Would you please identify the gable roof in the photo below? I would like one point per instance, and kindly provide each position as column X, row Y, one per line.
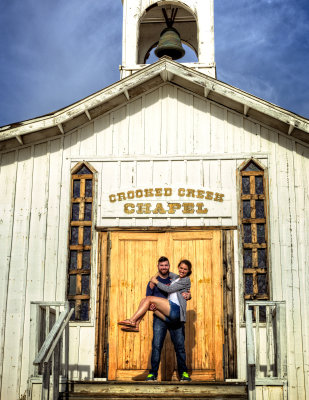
column 64, row 120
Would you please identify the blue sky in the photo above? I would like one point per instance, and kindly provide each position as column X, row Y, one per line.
column 55, row 52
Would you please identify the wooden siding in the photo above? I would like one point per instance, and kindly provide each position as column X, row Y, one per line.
column 162, row 138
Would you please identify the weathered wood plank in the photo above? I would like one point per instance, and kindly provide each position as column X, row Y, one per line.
column 103, row 133
column 53, row 210
column 301, row 163
column 136, row 127
column 87, row 140
column 152, row 132
column 74, row 352
column 7, row 201
column 185, row 115
column 169, row 120
column 217, row 123
column 102, row 305
column 235, row 132
column 230, row 349
column 18, row 275
column 159, row 389
column 86, row 353
column 120, row 131
column 289, row 269
column 201, row 118
column 293, row 262
column 37, row 247
column 64, row 215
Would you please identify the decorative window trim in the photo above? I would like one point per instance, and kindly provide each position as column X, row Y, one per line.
column 80, row 246
column 253, row 220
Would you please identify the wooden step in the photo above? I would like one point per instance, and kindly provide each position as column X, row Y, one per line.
column 155, row 390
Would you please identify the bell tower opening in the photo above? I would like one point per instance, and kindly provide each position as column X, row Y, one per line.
column 183, row 30
column 166, row 27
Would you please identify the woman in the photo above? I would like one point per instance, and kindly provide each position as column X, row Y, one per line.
column 171, row 309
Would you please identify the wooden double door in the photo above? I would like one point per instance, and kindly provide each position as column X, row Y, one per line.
column 133, row 260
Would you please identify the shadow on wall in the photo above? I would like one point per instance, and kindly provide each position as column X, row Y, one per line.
column 80, row 372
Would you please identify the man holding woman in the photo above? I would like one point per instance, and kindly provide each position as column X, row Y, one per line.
column 166, row 296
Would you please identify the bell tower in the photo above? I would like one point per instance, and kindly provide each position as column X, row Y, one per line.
column 165, row 26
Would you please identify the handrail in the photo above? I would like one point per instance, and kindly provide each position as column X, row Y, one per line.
column 273, row 335
column 51, row 354
column 54, row 336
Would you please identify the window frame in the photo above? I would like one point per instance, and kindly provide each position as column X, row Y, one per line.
column 242, row 295
column 79, row 247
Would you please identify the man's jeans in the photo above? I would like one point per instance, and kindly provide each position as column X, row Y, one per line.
column 177, row 332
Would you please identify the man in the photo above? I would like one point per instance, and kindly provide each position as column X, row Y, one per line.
column 160, row 327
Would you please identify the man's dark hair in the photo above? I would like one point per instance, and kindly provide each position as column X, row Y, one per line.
column 163, row 259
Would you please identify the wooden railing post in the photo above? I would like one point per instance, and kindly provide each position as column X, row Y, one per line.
column 66, row 354
column 34, row 338
column 46, row 381
column 56, row 371
column 250, row 355
column 50, row 356
column 276, row 353
column 282, row 342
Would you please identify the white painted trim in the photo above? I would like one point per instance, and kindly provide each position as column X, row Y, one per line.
column 223, row 156
column 273, row 130
column 61, row 128
column 291, row 129
column 88, row 115
column 158, row 68
column 126, row 93
column 206, row 92
column 19, row 139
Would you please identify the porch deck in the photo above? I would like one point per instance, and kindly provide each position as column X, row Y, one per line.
column 155, row 390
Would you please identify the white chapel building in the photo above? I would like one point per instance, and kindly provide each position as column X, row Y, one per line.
column 168, row 161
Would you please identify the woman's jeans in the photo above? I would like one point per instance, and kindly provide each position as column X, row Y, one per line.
column 177, row 332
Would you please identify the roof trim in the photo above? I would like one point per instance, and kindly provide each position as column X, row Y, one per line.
column 166, row 70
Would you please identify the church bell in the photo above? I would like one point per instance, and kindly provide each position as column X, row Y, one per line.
column 170, row 44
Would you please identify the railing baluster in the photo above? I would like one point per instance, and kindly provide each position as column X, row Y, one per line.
column 283, row 349
column 34, row 338
column 66, row 352
column 257, row 340
column 45, row 381
column 61, row 368
column 250, row 355
column 50, row 355
column 268, row 341
column 56, row 372
column 278, row 340
column 276, row 354
column 47, row 321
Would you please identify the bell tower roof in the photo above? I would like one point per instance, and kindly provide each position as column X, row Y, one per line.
column 144, row 21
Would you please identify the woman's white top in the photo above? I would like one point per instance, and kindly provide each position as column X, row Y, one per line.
column 173, row 296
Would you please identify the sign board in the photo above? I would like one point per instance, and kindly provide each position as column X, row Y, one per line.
column 166, row 202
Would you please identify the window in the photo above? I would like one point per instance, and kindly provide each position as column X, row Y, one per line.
column 80, row 240
column 253, row 220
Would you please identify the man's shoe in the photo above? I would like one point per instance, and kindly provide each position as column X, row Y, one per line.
column 185, row 377
column 151, row 377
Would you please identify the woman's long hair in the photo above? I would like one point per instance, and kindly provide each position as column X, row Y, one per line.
column 188, row 264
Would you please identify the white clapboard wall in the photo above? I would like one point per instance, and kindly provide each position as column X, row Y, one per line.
column 165, row 138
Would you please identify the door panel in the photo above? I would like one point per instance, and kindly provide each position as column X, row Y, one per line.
column 204, row 331
column 134, row 257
